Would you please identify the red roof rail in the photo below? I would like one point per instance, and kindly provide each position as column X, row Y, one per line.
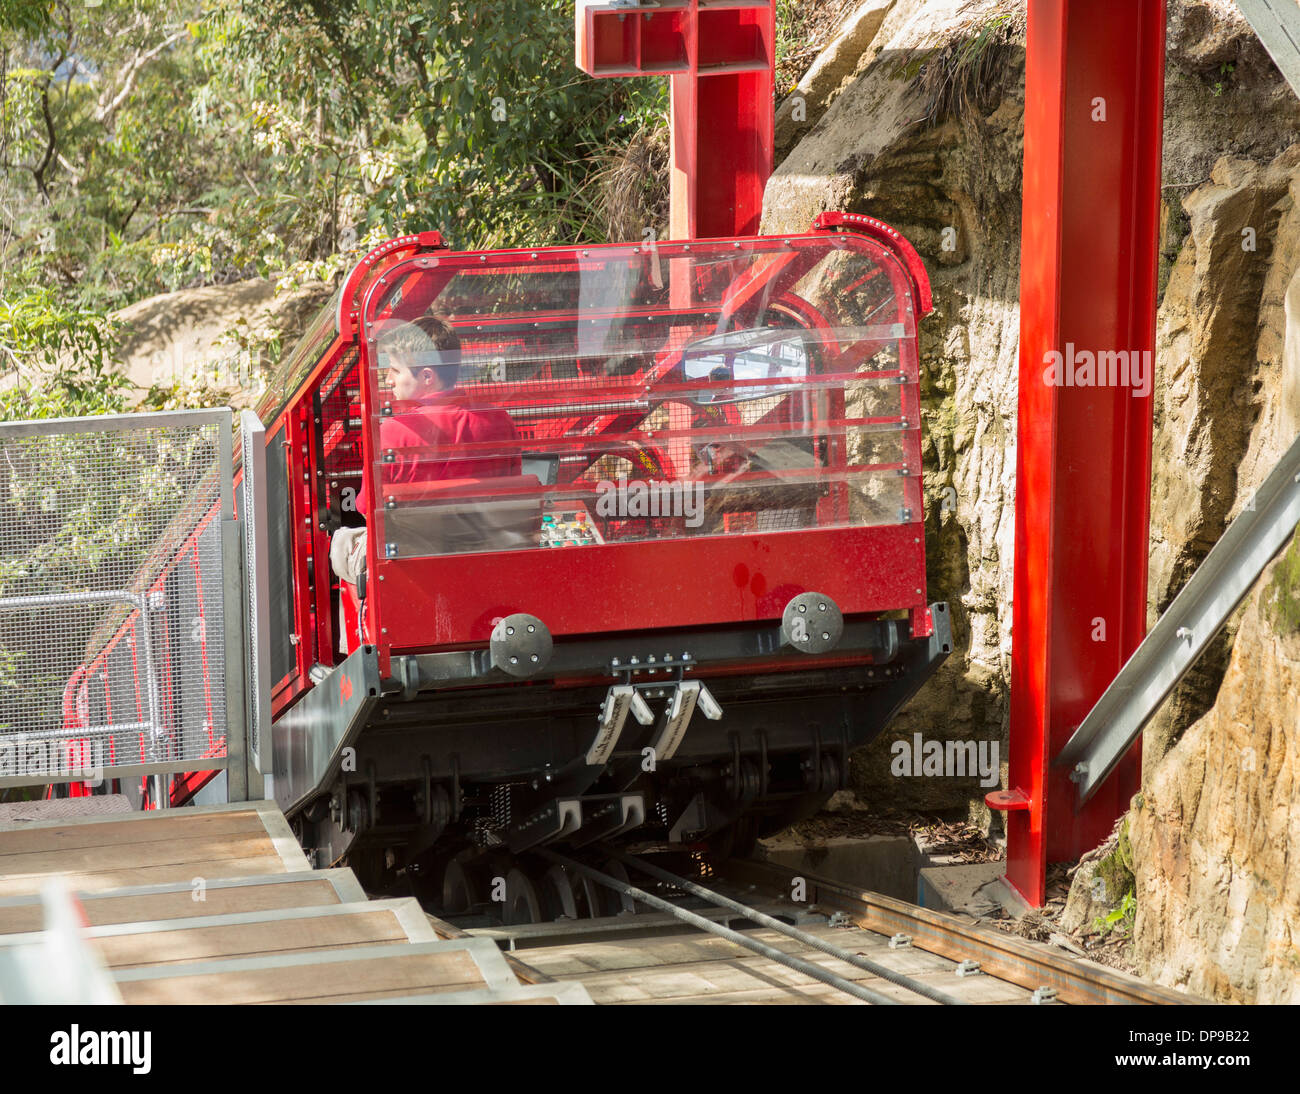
column 348, row 303
column 892, row 238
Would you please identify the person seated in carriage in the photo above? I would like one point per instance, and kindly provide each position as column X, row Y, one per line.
column 421, row 365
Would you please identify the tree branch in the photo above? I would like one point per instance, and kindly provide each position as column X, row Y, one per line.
column 51, row 141
column 107, row 108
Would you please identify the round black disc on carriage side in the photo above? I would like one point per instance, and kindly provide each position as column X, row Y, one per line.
column 812, row 623
column 521, row 645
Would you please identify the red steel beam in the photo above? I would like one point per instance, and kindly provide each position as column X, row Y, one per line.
column 1094, row 86
column 721, row 57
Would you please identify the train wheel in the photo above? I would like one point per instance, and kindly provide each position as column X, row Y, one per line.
column 590, row 899
column 523, row 904
column 458, row 891
column 558, row 898
column 737, row 840
column 616, row 903
column 370, row 867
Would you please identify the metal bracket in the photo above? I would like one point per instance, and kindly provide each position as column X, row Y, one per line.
column 407, row 671
column 812, row 623
column 619, row 701
column 555, row 819
column 521, row 645
column 609, row 818
column 677, row 717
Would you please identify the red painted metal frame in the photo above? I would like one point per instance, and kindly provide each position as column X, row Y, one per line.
column 310, row 541
column 720, row 56
column 1094, row 104
column 76, row 698
column 891, row 238
column 428, row 603
column 750, row 576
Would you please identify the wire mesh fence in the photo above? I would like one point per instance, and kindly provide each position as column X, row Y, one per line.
column 112, row 628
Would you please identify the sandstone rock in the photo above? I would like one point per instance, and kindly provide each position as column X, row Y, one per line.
column 1215, row 832
column 867, row 156
column 1205, row 377
column 173, row 335
column 1213, row 836
column 1248, row 111
column 1218, row 891
column 184, row 337
column 1101, row 880
column 846, row 53
column 1216, row 828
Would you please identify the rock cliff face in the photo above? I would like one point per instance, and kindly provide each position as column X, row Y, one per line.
column 187, row 342
column 1215, row 834
column 927, row 135
column 1216, row 829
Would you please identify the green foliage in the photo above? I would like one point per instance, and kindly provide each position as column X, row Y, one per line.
column 153, row 145
column 410, row 119
column 1120, row 884
column 57, row 359
column 965, row 77
column 29, row 16
column 1225, row 71
column 38, row 328
column 1120, row 918
column 791, row 43
column 1283, row 597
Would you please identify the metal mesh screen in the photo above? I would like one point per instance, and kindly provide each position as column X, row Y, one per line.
column 112, row 635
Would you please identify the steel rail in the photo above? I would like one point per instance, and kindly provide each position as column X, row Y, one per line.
column 857, row 960
column 1000, row 955
column 849, row 987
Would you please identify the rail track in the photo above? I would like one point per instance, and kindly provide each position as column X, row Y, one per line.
column 267, row 928
column 757, row 933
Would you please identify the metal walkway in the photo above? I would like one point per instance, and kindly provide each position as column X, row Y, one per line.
column 218, row 904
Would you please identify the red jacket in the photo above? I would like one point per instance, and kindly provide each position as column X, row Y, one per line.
column 443, row 423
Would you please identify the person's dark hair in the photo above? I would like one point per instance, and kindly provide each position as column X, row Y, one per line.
column 430, row 336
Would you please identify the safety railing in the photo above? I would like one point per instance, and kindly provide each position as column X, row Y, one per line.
column 123, row 602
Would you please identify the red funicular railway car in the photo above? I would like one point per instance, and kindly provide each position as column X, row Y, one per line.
column 643, row 551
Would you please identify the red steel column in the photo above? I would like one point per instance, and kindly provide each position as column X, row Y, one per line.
column 721, row 55
column 1094, row 89
column 722, row 123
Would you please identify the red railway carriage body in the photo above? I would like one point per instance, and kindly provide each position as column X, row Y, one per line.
column 587, row 623
column 643, row 544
